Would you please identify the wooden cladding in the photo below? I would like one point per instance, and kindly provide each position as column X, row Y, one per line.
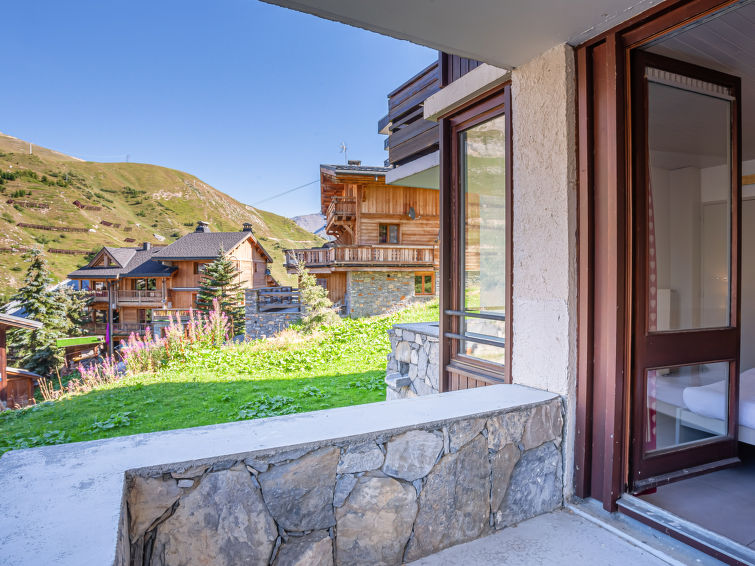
column 409, row 135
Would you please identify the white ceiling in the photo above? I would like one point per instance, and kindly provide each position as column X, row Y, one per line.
column 505, row 33
column 725, row 43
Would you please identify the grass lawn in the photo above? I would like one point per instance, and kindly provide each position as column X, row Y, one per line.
column 338, row 366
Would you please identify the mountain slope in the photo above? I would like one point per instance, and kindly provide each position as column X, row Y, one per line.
column 314, row 223
column 117, row 202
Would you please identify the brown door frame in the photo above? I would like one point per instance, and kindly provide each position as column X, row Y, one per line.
column 689, row 347
column 605, row 245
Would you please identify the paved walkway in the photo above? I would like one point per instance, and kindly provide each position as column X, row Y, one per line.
column 562, row 538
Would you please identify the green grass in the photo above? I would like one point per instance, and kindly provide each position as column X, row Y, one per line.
column 338, row 366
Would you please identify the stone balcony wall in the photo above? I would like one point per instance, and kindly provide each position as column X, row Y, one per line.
column 412, row 369
column 388, row 499
column 380, row 483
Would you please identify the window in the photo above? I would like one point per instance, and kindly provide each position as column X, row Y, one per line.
column 424, row 283
column 145, row 284
column 477, row 303
column 388, row 233
column 322, row 282
column 145, row 316
column 199, row 268
column 99, row 286
column 84, row 285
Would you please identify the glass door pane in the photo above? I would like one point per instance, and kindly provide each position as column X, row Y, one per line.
column 483, row 188
column 689, row 208
column 685, row 405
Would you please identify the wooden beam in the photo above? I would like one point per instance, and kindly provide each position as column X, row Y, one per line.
column 748, row 180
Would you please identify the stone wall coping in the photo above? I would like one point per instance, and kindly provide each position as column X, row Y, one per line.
column 426, row 328
column 62, row 504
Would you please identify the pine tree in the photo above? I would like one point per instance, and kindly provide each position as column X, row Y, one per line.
column 318, row 308
column 35, row 350
column 220, row 281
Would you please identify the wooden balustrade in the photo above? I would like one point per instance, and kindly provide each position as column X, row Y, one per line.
column 363, row 255
column 140, row 296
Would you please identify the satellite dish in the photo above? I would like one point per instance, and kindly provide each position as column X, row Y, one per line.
column 411, row 213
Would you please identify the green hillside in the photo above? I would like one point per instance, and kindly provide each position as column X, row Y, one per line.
column 145, row 203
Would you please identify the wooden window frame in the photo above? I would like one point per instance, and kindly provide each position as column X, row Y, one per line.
column 459, row 371
column 424, row 274
column 388, row 233
column 199, row 267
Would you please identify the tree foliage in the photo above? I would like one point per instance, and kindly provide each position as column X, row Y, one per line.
column 318, row 308
column 61, row 312
column 220, row 281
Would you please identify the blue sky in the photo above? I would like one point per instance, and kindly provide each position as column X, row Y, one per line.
column 249, row 97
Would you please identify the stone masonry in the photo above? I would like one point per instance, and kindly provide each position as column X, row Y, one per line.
column 370, row 293
column 387, row 499
column 265, row 324
column 413, row 362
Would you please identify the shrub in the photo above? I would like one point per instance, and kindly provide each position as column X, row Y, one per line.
column 315, row 302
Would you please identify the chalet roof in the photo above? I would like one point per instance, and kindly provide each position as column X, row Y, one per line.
column 121, row 255
column 354, row 170
column 19, row 322
column 206, row 245
column 135, row 262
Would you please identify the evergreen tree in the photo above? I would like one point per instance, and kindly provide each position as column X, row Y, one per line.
column 35, row 350
column 318, row 308
column 220, row 280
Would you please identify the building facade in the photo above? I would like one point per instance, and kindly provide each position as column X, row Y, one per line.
column 132, row 287
column 383, row 253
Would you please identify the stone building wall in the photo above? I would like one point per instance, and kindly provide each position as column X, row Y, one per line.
column 370, row 293
column 412, row 369
column 265, row 324
column 389, row 498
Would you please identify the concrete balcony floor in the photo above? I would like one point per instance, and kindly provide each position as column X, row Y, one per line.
column 573, row 536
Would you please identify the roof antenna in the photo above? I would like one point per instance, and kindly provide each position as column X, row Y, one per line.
column 345, row 151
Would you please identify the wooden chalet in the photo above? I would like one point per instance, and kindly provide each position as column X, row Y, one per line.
column 16, row 385
column 136, row 283
column 377, row 228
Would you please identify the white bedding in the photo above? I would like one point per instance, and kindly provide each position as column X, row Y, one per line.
column 710, row 400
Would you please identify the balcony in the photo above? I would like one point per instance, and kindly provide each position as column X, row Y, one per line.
column 410, row 136
column 118, row 328
column 341, row 215
column 99, row 295
column 141, row 297
column 364, row 256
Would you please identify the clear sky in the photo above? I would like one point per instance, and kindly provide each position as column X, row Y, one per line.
column 249, row 97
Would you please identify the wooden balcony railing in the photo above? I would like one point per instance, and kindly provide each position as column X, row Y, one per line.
column 364, row 255
column 118, row 328
column 341, row 213
column 342, row 207
column 99, row 294
column 141, row 297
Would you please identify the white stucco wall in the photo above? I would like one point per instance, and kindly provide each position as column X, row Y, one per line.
column 544, row 342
